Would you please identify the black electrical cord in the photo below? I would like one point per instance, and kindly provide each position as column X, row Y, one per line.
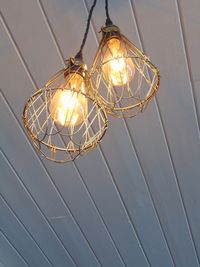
column 79, row 54
column 108, row 19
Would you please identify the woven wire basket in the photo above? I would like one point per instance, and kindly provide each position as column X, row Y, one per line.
column 131, row 87
column 62, row 137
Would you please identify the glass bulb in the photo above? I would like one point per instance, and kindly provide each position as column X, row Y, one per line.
column 68, row 107
column 117, row 68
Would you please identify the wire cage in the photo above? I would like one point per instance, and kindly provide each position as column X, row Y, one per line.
column 64, row 118
column 124, row 77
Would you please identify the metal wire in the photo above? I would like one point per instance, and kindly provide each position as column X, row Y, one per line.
column 108, row 20
column 123, row 99
column 79, row 54
column 65, row 141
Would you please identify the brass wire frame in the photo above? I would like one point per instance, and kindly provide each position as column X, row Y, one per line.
column 133, row 97
column 64, row 143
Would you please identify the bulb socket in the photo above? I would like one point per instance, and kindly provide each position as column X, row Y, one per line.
column 76, row 65
column 110, row 28
column 110, row 31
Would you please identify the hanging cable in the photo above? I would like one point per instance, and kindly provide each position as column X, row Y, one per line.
column 79, row 54
column 108, row 20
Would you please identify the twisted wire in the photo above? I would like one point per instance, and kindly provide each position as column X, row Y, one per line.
column 79, row 54
column 108, row 19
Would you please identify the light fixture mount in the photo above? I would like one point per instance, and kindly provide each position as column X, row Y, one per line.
column 111, row 28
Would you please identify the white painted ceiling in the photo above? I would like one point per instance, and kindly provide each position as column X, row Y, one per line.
column 135, row 200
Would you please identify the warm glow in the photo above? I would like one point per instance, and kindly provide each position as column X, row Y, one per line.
column 68, row 107
column 118, row 70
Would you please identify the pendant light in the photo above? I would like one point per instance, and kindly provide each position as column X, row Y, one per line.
column 124, row 77
column 65, row 118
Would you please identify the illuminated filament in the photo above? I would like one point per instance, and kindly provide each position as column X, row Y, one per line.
column 118, row 69
column 68, row 106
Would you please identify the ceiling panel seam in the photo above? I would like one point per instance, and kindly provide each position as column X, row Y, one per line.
column 167, row 147
column 131, row 137
column 136, row 155
column 43, row 167
column 195, row 112
column 30, row 76
column 103, row 158
column 74, row 163
column 35, row 85
column 11, row 37
column 93, row 28
column 135, row 150
column 102, row 155
column 134, row 17
column 53, row 37
column 187, row 63
column 13, row 212
column 17, row 50
column 14, row 248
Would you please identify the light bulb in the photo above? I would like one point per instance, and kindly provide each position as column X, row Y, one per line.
column 118, row 70
column 68, row 106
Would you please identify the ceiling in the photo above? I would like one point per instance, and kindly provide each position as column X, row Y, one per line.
column 135, row 200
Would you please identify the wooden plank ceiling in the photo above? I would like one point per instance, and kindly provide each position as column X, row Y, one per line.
column 135, row 200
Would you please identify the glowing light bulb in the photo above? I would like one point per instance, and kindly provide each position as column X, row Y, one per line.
column 117, row 68
column 68, row 107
